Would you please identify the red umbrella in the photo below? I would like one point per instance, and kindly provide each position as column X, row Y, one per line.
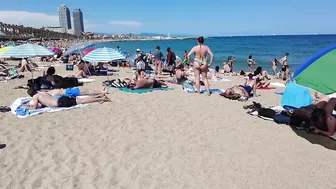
column 86, row 51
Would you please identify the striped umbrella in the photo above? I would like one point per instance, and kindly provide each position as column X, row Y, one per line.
column 2, row 50
column 77, row 48
column 26, row 51
column 103, row 55
column 87, row 51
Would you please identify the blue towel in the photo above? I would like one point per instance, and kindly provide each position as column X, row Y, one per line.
column 279, row 93
column 140, row 91
column 296, row 96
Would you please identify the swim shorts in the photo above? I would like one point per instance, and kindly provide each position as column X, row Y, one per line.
column 156, row 84
column 247, row 88
column 66, row 102
column 72, row 92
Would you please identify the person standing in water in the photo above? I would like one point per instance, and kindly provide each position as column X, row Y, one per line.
column 200, row 64
column 185, row 58
column 158, row 61
column 250, row 63
column 284, row 67
column 274, row 66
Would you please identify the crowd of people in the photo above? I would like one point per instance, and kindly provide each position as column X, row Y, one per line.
column 51, row 90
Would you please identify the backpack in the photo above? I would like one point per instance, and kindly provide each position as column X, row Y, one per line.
column 173, row 58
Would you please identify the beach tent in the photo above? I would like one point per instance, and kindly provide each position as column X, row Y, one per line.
column 319, row 71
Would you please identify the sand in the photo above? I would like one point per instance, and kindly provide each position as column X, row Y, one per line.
column 163, row 139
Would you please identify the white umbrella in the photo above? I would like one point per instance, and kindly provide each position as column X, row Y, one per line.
column 26, row 51
column 103, row 55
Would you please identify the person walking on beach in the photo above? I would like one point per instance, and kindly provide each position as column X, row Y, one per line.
column 200, row 64
column 158, row 61
column 284, row 67
column 171, row 57
column 250, row 63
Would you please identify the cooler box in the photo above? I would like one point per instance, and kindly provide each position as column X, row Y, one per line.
column 69, row 67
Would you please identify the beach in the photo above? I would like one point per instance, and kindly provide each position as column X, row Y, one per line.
column 163, row 139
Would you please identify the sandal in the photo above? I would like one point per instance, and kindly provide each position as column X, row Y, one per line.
column 5, row 109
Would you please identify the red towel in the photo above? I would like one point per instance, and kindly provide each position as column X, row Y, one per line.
column 266, row 88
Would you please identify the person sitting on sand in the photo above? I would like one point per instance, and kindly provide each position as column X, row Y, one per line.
column 70, row 92
column 180, row 74
column 41, row 100
column 245, row 89
column 263, row 80
column 319, row 116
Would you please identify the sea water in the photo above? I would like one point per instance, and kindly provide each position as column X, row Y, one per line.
column 262, row 48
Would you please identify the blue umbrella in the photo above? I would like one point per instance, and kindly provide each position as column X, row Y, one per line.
column 77, row 48
column 26, row 51
column 103, row 55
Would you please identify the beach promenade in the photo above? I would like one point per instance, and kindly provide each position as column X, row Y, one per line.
column 164, row 139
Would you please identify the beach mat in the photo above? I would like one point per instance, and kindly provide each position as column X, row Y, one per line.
column 141, row 91
column 220, row 91
column 277, row 84
column 85, row 80
column 17, row 108
column 266, row 88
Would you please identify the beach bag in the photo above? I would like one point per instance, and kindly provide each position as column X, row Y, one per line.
column 189, row 87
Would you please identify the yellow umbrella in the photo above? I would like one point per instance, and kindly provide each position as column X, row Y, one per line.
column 2, row 50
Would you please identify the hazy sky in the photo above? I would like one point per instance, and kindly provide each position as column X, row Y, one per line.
column 196, row 17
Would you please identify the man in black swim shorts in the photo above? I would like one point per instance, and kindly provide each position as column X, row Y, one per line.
column 245, row 89
column 40, row 100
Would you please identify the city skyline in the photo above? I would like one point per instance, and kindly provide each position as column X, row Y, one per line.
column 241, row 17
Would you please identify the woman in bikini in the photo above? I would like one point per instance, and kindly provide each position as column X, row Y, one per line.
column 274, row 66
column 200, row 64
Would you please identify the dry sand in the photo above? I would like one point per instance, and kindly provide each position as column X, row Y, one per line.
column 159, row 140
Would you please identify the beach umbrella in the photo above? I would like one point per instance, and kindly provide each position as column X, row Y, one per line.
column 87, row 51
column 318, row 72
column 2, row 50
column 103, row 55
column 77, row 48
column 26, row 51
column 54, row 49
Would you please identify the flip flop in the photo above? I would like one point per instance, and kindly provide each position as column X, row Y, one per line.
column 5, row 109
column 2, row 146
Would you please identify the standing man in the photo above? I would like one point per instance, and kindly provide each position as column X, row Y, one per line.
column 284, row 67
column 171, row 57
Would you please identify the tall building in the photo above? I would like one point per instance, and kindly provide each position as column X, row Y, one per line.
column 78, row 22
column 64, row 17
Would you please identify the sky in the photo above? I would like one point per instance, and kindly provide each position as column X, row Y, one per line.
column 189, row 17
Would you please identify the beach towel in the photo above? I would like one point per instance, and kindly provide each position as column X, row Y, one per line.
column 141, row 91
column 221, row 80
column 220, row 91
column 17, row 108
column 296, row 96
column 277, row 84
column 266, row 88
column 279, row 93
column 85, row 80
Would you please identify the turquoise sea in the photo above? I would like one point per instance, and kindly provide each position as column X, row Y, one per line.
column 262, row 48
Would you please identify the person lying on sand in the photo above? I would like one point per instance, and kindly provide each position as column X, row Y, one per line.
column 245, row 89
column 143, row 83
column 71, row 92
column 319, row 116
column 41, row 100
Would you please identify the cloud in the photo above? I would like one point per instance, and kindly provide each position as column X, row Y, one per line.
column 31, row 19
column 125, row 23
